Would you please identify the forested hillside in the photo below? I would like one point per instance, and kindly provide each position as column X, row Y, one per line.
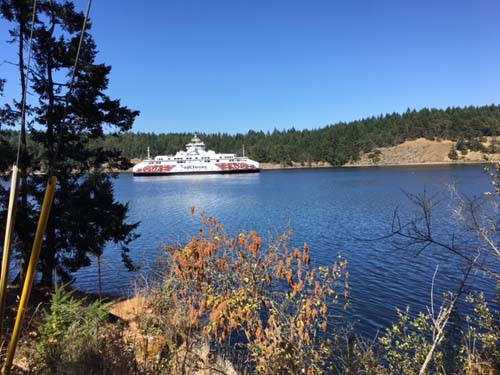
column 337, row 143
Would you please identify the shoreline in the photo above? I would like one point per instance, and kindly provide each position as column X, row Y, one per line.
column 279, row 167
column 432, row 163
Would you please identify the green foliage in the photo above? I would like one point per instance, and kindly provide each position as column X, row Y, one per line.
column 453, row 154
column 375, row 156
column 481, row 349
column 462, row 146
column 75, row 338
column 70, row 333
column 337, row 144
column 407, row 343
column 476, row 145
column 64, row 129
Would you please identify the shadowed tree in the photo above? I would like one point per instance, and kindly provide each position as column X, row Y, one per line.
column 70, row 112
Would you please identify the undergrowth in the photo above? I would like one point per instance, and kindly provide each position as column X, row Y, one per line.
column 239, row 305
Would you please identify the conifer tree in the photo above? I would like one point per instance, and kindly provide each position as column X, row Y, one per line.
column 68, row 115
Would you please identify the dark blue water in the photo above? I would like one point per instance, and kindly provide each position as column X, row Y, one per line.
column 330, row 209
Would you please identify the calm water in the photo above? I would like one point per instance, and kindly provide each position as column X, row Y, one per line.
column 329, row 209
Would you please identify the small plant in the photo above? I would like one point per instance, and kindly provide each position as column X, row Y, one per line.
column 73, row 339
column 476, row 145
column 481, row 348
column 462, row 146
column 453, row 155
column 407, row 343
column 375, row 156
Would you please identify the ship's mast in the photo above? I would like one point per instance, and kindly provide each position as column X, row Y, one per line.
column 148, row 154
column 243, row 150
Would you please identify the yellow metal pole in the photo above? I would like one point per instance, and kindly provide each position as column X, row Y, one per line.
column 30, row 274
column 7, row 245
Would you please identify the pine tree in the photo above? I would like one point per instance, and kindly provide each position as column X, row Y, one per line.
column 69, row 116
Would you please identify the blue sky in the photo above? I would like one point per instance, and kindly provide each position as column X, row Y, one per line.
column 232, row 66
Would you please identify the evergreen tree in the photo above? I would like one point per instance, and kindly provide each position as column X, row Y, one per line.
column 6, row 149
column 69, row 116
column 453, row 154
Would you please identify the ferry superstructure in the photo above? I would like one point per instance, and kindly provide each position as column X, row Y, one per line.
column 195, row 160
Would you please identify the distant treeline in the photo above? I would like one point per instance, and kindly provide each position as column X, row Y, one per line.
column 337, row 144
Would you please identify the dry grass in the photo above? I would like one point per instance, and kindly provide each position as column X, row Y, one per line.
column 423, row 151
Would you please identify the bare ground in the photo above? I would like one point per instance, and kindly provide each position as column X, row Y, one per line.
column 420, row 152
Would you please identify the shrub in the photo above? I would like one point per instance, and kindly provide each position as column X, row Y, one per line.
column 462, row 146
column 407, row 343
column 453, row 154
column 375, row 156
column 475, row 145
column 73, row 339
column 264, row 307
column 480, row 352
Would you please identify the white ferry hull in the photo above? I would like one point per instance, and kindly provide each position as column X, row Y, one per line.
column 237, row 171
column 195, row 160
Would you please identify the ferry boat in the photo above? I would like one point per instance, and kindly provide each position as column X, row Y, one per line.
column 195, row 160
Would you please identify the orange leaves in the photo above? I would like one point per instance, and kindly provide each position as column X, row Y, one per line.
column 324, row 326
column 317, row 288
column 193, row 317
column 255, row 243
column 218, row 311
column 279, row 271
column 268, row 293
column 307, row 259
column 296, row 253
column 323, row 310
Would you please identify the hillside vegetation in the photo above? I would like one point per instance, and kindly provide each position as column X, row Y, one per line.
column 336, row 144
column 472, row 131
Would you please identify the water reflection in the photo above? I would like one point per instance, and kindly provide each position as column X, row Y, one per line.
column 328, row 209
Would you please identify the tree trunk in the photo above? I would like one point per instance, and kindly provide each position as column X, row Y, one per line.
column 48, row 259
column 99, row 277
column 23, row 207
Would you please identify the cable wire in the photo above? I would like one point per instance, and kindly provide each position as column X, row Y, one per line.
column 70, row 88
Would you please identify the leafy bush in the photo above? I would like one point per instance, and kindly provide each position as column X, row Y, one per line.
column 462, row 146
column 407, row 343
column 375, row 156
column 453, row 154
column 476, row 145
column 480, row 352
